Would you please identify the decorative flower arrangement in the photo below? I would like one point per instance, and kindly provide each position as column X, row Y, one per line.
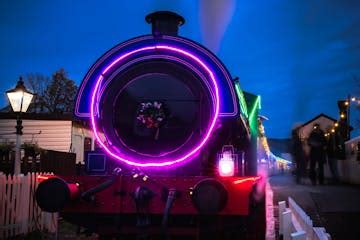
column 152, row 115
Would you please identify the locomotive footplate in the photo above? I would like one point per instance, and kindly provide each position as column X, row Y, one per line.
column 138, row 206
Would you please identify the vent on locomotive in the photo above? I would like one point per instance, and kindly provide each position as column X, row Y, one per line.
column 155, row 110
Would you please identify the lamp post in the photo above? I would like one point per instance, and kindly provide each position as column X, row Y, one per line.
column 20, row 99
column 350, row 99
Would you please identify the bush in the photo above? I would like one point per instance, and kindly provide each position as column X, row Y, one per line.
column 31, row 149
column 6, row 147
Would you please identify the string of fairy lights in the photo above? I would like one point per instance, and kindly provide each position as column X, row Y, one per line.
column 336, row 124
column 344, row 107
column 280, row 162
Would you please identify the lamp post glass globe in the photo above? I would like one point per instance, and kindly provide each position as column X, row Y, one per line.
column 20, row 99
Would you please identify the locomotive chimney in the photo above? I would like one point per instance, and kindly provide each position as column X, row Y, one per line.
column 165, row 23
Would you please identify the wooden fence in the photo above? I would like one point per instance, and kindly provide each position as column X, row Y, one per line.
column 295, row 224
column 60, row 163
column 7, row 161
column 19, row 213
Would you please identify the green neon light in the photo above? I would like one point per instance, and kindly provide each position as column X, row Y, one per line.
column 253, row 116
column 255, row 106
column 259, row 101
column 241, row 97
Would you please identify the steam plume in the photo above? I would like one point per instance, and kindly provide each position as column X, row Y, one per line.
column 215, row 15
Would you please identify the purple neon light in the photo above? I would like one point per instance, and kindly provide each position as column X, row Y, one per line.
column 176, row 39
column 229, row 80
column 95, row 66
column 189, row 154
column 176, row 59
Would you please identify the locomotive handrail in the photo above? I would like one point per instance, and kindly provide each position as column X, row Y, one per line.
column 89, row 193
column 169, row 203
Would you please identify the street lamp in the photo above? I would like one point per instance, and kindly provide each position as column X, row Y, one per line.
column 20, row 99
column 349, row 100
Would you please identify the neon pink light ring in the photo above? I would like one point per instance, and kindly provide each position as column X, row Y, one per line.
column 192, row 152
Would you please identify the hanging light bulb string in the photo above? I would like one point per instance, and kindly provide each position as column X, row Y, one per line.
column 344, row 106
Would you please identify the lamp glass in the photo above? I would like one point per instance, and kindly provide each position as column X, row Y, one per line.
column 226, row 166
column 19, row 99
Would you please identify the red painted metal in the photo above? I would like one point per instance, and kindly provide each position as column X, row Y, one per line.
column 73, row 187
column 41, row 178
column 74, row 190
column 118, row 199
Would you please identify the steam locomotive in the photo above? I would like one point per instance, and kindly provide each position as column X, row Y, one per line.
column 177, row 144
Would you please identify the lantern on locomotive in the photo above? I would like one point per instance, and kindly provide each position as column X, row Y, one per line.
column 174, row 126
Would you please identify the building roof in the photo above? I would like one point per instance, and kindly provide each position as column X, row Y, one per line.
column 318, row 116
column 48, row 116
column 38, row 116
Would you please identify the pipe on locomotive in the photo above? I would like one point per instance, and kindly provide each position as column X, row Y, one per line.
column 165, row 23
column 89, row 194
column 62, row 193
column 53, row 194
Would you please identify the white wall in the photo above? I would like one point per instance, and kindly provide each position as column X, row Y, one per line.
column 78, row 136
column 349, row 169
column 325, row 124
column 55, row 135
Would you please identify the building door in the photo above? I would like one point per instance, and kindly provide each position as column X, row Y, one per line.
column 87, row 144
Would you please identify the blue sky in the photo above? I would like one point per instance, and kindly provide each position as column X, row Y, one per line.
column 300, row 56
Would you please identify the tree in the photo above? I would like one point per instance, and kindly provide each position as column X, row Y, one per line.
column 55, row 95
column 60, row 94
column 37, row 83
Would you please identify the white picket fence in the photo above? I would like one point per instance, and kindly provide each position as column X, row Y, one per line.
column 295, row 224
column 19, row 213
